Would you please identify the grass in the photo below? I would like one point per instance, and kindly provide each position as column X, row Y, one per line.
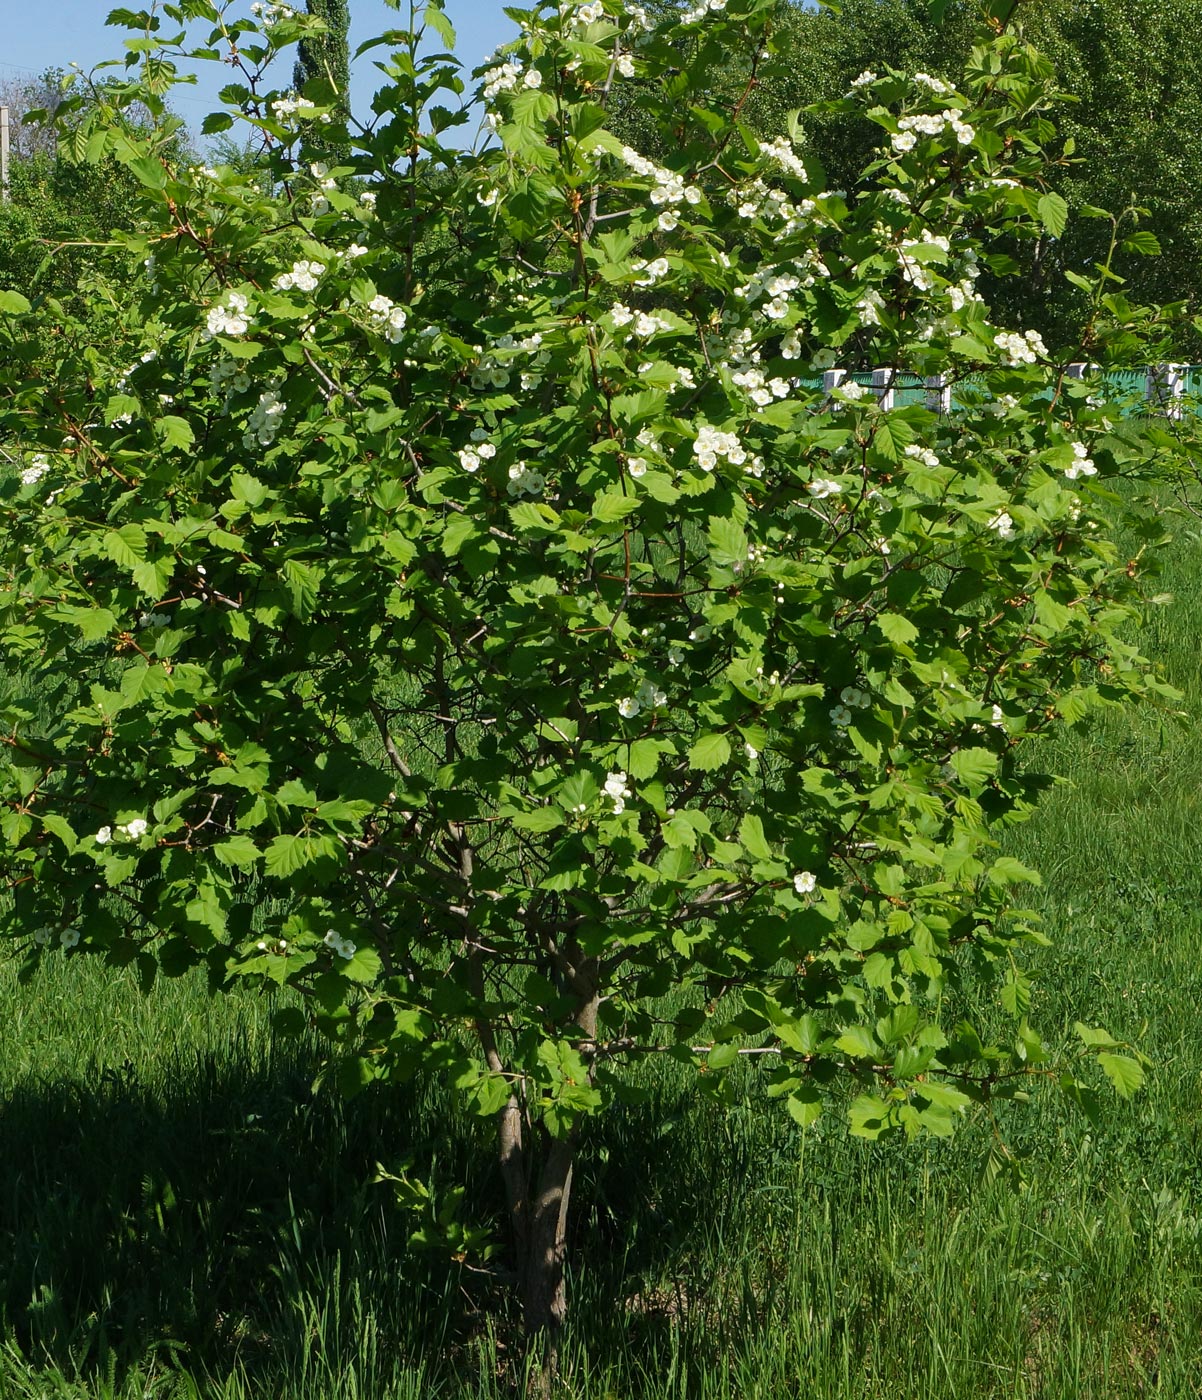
column 180, row 1217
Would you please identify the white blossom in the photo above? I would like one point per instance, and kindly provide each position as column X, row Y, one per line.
column 617, row 791
column 39, row 465
column 821, row 487
column 342, row 946
column 1082, row 463
column 805, row 882
column 388, row 318
column 303, row 276
column 525, row 482
column 231, row 317
column 1003, row 524
column 629, row 707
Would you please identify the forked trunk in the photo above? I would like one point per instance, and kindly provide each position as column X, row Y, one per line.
column 538, row 1213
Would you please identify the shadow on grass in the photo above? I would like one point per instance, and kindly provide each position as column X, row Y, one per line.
column 224, row 1218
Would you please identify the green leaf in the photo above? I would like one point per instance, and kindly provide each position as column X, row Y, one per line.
column 1053, row 213
column 1094, row 1036
column 728, row 542
column 237, row 850
column 126, row 546
column 751, row 834
column 897, row 629
column 804, row 1105
column 14, row 304
column 173, row 431
column 611, row 506
column 868, row 1117
column 859, row 1042
column 1053, row 614
column 541, row 819
column 709, row 752
column 1126, row 1074
column 974, row 767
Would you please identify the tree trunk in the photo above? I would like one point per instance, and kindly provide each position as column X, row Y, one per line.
column 544, row 1295
column 538, row 1194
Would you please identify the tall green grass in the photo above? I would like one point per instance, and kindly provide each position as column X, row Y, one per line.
column 181, row 1217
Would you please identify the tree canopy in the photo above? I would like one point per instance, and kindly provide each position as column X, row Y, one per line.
column 485, row 606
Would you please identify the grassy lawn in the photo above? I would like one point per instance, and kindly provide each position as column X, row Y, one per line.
column 180, row 1218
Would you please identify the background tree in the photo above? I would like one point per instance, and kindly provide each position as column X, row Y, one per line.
column 1135, row 78
column 325, row 57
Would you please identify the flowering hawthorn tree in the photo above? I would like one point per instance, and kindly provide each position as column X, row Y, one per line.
column 473, row 568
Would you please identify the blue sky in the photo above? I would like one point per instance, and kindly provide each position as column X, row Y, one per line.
column 39, row 34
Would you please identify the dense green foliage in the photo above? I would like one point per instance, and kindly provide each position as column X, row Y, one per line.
column 176, row 1198
column 495, row 640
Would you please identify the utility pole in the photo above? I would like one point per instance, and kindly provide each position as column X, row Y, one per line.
column 3, row 155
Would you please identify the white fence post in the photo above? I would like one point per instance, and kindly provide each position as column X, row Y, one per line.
column 831, row 379
column 939, row 393
column 882, row 387
column 1165, row 388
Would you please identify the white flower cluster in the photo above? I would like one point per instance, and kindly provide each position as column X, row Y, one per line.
column 917, row 273
column 1003, row 524
column 652, row 271
column 228, row 376
column 866, row 78
column 711, row 443
column 505, row 77
column 936, row 85
column 525, row 482
column 780, row 151
column 669, row 187
column 823, row 487
column 69, row 937
column 285, row 108
column 1082, row 463
column 930, row 124
column 265, row 420
column 642, row 323
column 471, row 457
column 647, row 697
column 922, row 454
column 131, row 831
column 272, row 13
column 342, row 946
column 851, row 698
column 231, row 317
column 39, row 465
column 617, row 791
column 773, row 284
column 387, row 317
column 1022, row 349
column 303, row 277
column 759, row 389
column 701, row 9
column 870, row 306
column 590, row 13
column 804, row 882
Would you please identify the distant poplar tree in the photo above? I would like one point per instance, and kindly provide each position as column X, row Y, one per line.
column 327, row 56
